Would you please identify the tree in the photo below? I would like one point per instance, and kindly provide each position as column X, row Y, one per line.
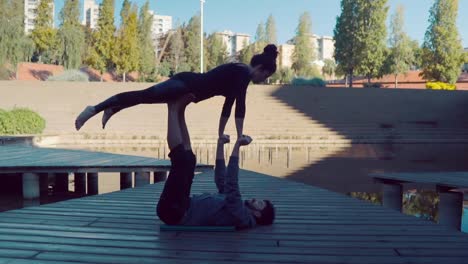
column 372, row 34
column 15, row 46
column 147, row 53
column 329, row 67
column 442, row 49
column 217, row 53
column 127, row 54
column 71, row 37
column 417, row 54
column 43, row 34
column 100, row 55
column 303, row 54
column 401, row 53
column 270, row 30
column 260, row 35
column 192, row 42
column 346, row 41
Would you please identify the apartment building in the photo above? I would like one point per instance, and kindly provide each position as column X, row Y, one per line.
column 30, row 14
column 161, row 24
column 324, row 48
column 90, row 13
column 234, row 42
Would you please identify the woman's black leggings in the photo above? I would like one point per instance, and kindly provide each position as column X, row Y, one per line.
column 160, row 93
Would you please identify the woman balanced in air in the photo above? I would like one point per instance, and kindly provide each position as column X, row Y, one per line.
column 229, row 80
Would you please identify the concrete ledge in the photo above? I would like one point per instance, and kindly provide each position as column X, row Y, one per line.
column 17, row 140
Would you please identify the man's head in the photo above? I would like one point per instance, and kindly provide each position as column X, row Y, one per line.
column 264, row 64
column 262, row 210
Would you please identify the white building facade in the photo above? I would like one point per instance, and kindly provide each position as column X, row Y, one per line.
column 161, row 24
column 30, row 14
column 234, row 42
column 324, row 48
column 90, row 13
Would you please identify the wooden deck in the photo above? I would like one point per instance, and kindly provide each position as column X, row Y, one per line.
column 20, row 159
column 35, row 165
column 313, row 226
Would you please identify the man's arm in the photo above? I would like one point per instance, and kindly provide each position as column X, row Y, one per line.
column 233, row 198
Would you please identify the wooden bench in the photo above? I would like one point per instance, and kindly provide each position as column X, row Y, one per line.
column 35, row 164
column 448, row 185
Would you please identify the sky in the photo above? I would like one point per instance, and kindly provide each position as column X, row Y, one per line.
column 243, row 16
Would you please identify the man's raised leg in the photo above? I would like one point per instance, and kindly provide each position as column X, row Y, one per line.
column 175, row 198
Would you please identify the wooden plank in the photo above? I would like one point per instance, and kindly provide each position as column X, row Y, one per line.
column 449, row 179
column 312, row 226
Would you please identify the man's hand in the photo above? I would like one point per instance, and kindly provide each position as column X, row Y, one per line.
column 244, row 140
column 223, row 139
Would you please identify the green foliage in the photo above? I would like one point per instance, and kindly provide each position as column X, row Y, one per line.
column 375, row 198
column 217, row 54
column 43, row 34
column 192, row 43
column 315, row 82
column 21, row 121
column 103, row 39
column 282, row 76
column 70, row 76
column 126, row 53
column 303, row 54
column 401, row 55
column 260, row 34
column 372, row 85
column 175, row 58
column 346, row 41
column 442, row 49
column 147, row 54
column 417, row 54
column 372, row 34
column 440, row 86
column 359, row 35
column 270, row 30
column 5, row 73
column 15, row 46
column 423, row 204
column 71, row 37
column 329, row 67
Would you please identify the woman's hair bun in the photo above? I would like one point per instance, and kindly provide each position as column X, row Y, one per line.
column 271, row 50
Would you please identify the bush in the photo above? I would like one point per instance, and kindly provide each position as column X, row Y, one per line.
column 315, row 82
column 21, row 121
column 372, row 85
column 70, row 76
column 5, row 73
column 440, row 86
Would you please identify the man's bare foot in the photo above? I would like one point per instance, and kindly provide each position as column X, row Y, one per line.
column 244, row 140
column 86, row 114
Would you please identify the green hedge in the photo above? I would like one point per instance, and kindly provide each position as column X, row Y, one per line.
column 70, row 76
column 316, row 82
column 440, row 86
column 21, row 121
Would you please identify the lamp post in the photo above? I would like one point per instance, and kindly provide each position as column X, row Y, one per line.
column 201, row 35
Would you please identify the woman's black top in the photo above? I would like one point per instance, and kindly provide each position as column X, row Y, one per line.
column 230, row 80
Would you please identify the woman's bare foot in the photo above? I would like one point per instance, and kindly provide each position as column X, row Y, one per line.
column 108, row 113
column 86, row 114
